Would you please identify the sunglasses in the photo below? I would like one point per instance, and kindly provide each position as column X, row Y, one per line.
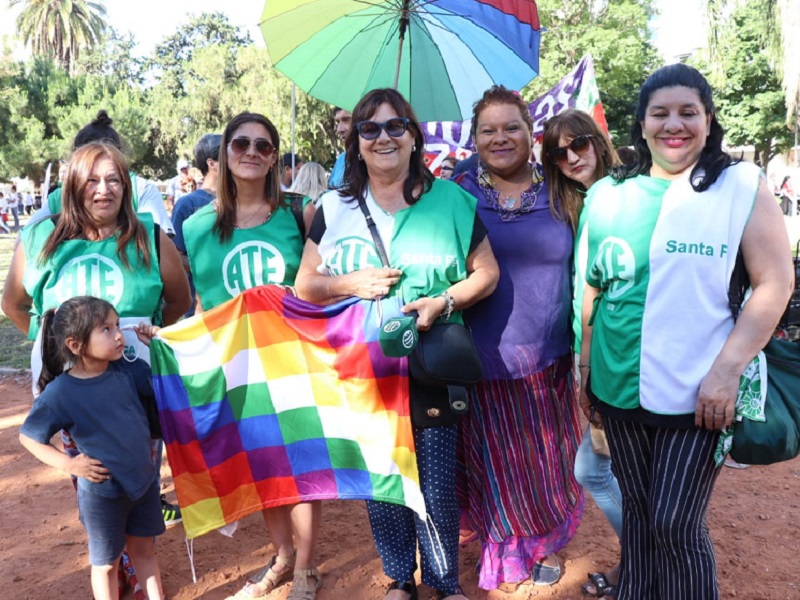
column 240, row 145
column 370, row 130
column 580, row 146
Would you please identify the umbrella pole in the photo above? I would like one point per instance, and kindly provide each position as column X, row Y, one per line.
column 294, row 120
column 403, row 27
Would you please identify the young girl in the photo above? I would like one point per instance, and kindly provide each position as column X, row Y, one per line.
column 104, row 402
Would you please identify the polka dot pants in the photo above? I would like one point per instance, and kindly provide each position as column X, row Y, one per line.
column 397, row 529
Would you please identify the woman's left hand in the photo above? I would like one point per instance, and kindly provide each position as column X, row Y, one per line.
column 428, row 310
column 716, row 400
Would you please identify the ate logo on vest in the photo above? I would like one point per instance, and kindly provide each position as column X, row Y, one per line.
column 616, row 264
column 90, row 275
column 352, row 254
column 252, row 264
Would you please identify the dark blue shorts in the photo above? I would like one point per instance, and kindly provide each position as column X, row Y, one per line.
column 108, row 520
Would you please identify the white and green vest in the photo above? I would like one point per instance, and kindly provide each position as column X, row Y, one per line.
column 662, row 256
column 429, row 241
column 267, row 254
column 86, row 268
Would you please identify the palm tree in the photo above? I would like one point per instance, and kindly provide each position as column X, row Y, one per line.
column 781, row 36
column 60, row 29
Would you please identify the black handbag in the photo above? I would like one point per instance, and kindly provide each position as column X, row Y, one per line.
column 445, row 356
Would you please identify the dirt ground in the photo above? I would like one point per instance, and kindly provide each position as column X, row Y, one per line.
column 753, row 520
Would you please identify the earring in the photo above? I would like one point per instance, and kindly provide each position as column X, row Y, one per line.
column 360, row 157
column 414, row 148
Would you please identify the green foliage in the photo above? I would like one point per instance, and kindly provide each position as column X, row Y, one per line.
column 60, row 29
column 616, row 35
column 749, row 100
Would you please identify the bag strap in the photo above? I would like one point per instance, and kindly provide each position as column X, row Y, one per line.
column 373, row 229
column 739, row 283
column 296, row 205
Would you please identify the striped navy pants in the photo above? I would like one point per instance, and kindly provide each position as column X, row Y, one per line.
column 666, row 477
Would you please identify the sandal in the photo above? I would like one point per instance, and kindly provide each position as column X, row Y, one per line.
column 267, row 579
column 409, row 587
column 602, row 587
column 302, row 588
column 546, row 575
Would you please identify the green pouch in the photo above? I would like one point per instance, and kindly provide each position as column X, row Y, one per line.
column 398, row 336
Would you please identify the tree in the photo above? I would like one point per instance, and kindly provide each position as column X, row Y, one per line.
column 780, row 35
column 616, row 35
column 60, row 29
column 749, row 99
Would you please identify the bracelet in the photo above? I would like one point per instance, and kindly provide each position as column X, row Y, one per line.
column 449, row 305
column 584, row 366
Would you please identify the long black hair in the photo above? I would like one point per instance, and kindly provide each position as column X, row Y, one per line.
column 713, row 159
column 75, row 318
column 356, row 175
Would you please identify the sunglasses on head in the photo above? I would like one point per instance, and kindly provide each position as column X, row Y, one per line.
column 370, row 130
column 580, row 146
column 240, row 145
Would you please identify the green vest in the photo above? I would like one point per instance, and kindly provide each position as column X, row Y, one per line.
column 429, row 242
column 54, row 198
column 86, row 268
column 267, row 254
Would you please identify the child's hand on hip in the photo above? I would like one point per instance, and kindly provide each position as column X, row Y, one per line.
column 89, row 468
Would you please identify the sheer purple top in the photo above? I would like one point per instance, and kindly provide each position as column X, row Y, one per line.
column 524, row 326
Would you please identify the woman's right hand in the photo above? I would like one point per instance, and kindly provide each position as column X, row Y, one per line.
column 373, row 283
column 89, row 468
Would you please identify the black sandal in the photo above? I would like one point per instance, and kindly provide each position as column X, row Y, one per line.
column 602, row 587
column 409, row 587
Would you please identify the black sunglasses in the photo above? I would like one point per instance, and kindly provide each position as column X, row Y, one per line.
column 240, row 145
column 370, row 130
column 580, row 146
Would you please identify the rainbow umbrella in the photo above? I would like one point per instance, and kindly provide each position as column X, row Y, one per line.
column 440, row 54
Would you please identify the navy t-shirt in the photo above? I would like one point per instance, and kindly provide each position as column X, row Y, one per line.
column 106, row 418
column 185, row 208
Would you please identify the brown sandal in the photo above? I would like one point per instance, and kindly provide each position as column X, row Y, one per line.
column 302, row 587
column 267, row 579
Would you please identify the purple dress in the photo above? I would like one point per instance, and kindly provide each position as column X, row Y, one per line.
column 517, row 489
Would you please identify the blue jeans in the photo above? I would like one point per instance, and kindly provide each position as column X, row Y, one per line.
column 593, row 472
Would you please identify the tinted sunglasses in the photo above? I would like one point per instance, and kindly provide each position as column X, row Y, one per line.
column 580, row 146
column 370, row 130
column 240, row 145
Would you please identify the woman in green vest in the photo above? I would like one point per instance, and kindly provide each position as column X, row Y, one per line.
column 250, row 236
column 441, row 262
column 96, row 246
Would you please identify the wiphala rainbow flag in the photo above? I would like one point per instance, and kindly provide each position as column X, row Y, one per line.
column 267, row 400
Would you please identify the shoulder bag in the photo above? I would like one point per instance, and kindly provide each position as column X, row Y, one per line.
column 445, row 356
column 777, row 438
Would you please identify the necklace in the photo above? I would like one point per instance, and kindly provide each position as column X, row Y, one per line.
column 246, row 223
column 508, row 202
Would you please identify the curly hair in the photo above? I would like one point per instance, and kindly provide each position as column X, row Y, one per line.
column 498, row 94
column 570, row 124
column 356, row 174
column 712, row 160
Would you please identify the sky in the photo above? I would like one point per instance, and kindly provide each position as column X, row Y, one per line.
column 679, row 29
